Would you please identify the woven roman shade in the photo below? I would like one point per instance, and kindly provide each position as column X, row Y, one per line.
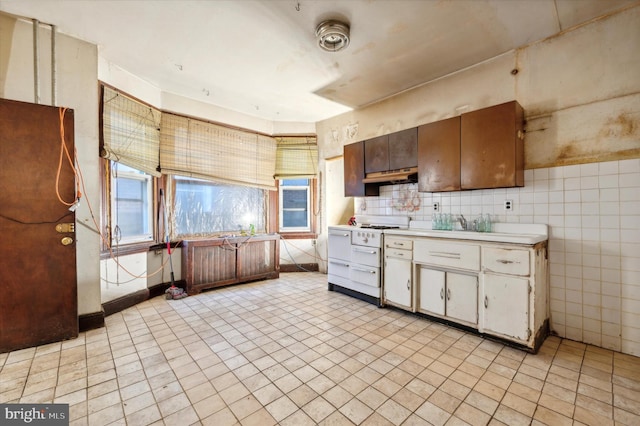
column 195, row 148
column 131, row 132
column 297, row 157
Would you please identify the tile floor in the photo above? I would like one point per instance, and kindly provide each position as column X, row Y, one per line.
column 289, row 352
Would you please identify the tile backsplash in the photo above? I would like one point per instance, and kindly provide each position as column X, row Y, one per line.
column 593, row 213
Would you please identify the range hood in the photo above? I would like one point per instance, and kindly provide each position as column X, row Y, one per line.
column 408, row 175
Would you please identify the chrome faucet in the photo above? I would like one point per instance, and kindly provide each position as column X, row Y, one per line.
column 463, row 222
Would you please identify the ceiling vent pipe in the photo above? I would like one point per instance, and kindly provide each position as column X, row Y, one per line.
column 332, row 35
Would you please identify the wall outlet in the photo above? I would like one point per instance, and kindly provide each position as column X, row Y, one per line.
column 508, row 205
column 436, row 207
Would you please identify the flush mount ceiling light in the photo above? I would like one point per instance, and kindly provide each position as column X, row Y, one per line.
column 333, row 36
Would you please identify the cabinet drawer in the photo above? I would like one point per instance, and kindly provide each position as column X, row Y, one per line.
column 398, row 243
column 365, row 255
column 398, row 253
column 506, row 261
column 338, row 268
column 454, row 255
column 366, row 275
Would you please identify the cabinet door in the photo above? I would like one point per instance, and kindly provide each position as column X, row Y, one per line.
column 431, row 290
column 462, row 297
column 439, row 156
column 505, row 306
column 403, row 149
column 397, row 281
column 354, row 172
column 376, row 154
column 492, row 147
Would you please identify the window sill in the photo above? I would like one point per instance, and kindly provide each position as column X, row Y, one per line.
column 298, row 235
column 136, row 248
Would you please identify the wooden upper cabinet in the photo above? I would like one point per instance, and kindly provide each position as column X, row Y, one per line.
column 395, row 151
column 403, row 149
column 376, row 154
column 492, row 147
column 439, row 156
column 354, row 172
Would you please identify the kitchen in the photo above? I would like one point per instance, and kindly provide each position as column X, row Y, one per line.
column 593, row 253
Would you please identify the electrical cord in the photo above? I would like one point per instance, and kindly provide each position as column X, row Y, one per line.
column 315, row 255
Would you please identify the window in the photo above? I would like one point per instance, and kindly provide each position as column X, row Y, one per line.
column 295, row 205
column 131, row 205
column 206, row 208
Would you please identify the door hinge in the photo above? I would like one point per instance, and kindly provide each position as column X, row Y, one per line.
column 530, row 289
column 528, row 333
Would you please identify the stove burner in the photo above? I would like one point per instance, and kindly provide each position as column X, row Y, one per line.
column 379, row 227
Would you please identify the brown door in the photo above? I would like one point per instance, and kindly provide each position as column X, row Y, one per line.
column 439, row 156
column 38, row 290
column 492, row 147
column 403, row 149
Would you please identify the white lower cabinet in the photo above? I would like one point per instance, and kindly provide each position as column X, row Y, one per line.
column 448, row 294
column 398, row 283
column 498, row 288
column 505, row 306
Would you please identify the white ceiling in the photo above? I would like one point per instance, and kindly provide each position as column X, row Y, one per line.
column 261, row 58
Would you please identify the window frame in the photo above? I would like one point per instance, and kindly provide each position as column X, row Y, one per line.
column 139, row 176
column 107, row 249
column 275, row 211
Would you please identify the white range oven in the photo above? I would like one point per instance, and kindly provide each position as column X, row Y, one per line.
column 355, row 256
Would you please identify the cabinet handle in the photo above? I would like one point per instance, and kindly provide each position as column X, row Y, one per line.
column 486, row 302
column 504, row 261
column 448, row 255
column 442, row 293
column 448, row 294
column 340, row 264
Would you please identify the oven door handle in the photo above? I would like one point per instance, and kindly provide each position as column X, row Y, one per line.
column 340, row 234
column 370, row 271
column 368, row 251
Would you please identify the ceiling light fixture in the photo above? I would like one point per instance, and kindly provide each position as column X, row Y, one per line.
column 333, row 36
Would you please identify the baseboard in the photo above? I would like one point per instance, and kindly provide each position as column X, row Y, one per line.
column 91, row 321
column 124, row 302
column 300, row 267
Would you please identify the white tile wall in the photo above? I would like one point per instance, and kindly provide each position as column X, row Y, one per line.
column 593, row 213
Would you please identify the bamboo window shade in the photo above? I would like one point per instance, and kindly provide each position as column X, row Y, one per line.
column 199, row 149
column 297, row 158
column 131, row 132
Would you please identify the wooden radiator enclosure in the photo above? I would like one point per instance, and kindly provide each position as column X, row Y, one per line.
column 209, row 263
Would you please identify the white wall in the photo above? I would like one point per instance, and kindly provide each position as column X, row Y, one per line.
column 581, row 96
column 77, row 88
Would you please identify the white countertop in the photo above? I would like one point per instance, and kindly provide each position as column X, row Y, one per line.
column 517, row 233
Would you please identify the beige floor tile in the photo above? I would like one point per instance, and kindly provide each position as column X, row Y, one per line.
column 245, row 406
column 318, row 409
column 356, row 410
column 549, row 417
column 519, row 404
column 510, row 416
column 308, row 356
column 393, row 412
column 444, row 401
column 208, row 406
column 281, row 408
column 433, row 414
column 471, row 415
